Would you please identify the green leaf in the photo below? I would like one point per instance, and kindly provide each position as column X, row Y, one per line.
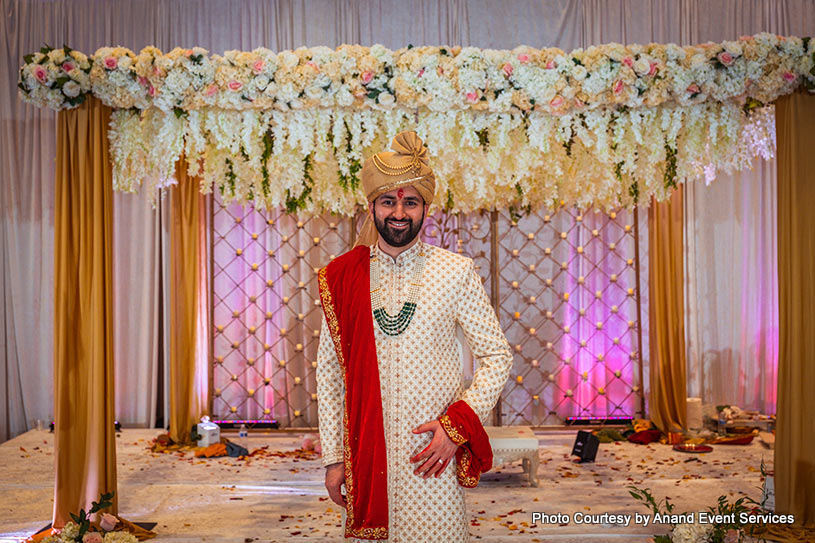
column 670, row 167
column 66, row 49
column 179, row 112
column 75, row 518
column 449, row 204
column 483, row 137
column 45, row 49
column 29, row 58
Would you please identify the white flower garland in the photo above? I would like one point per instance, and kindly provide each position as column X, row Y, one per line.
column 606, row 126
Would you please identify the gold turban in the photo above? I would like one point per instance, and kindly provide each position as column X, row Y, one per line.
column 406, row 165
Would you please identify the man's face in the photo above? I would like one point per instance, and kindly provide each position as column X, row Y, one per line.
column 398, row 215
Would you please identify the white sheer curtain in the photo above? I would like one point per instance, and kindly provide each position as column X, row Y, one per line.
column 732, row 288
column 27, row 134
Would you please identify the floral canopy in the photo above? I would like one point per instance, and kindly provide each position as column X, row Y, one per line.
column 607, row 126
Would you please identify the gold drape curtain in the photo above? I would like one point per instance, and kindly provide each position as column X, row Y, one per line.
column 187, row 305
column 84, row 440
column 666, row 313
column 795, row 433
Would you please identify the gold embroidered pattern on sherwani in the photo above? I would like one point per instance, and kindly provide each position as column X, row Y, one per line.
column 420, row 373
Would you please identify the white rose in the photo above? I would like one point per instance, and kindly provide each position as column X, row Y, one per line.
column 734, row 48
column 314, row 92
column 261, row 82
column 344, row 97
column 57, row 56
column 386, row 99
column 568, row 92
column 125, row 62
column 287, row 59
column 296, row 104
column 71, row 89
column 642, row 66
column 579, row 72
column 698, row 60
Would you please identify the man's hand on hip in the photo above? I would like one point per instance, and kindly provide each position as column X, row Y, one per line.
column 438, row 454
column 334, row 479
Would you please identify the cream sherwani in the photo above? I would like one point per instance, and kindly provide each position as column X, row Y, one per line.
column 420, row 374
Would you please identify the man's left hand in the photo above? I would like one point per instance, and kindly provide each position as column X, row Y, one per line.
column 437, row 454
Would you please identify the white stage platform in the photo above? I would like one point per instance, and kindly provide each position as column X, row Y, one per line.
column 281, row 499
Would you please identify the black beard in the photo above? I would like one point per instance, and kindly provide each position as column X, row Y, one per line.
column 398, row 238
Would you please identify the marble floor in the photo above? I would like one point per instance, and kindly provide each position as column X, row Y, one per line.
column 280, row 498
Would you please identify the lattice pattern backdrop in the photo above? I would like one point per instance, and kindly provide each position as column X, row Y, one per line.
column 564, row 284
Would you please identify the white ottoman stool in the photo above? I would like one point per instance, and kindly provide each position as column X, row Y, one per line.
column 511, row 443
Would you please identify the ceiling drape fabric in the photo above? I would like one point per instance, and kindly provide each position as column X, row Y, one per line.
column 666, row 308
column 187, row 297
column 84, row 432
column 795, row 434
column 28, row 136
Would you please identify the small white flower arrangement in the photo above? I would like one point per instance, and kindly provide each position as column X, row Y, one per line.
column 55, row 78
column 82, row 530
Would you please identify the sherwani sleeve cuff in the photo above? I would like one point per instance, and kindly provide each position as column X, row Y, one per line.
column 452, row 430
column 332, row 458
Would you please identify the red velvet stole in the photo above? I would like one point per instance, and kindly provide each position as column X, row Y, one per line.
column 474, row 454
column 345, row 286
column 346, row 299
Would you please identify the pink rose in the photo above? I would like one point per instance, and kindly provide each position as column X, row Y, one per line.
column 725, row 58
column 789, row 77
column 143, row 81
column 151, row 90
column 156, row 70
column 693, row 88
column 653, row 69
column 507, row 68
column 556, row 102
column 618, row 86
column 235, row 85
column 550, row 65
column 93, row 537
column 108, row 522
column 366, row 77
column 421, row 73
column 523, row 58
column 472, row 97
column 257, row 67
column 313, row 65
column 111, row 63
column 212, row 89
column 41, row 74
column 578, row 103
column 628, row 61
column 67, row 66
column 188, row 53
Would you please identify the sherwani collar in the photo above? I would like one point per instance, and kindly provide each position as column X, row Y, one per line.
column 402, row 259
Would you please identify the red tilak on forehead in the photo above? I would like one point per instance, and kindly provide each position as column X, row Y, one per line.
column 400, row 193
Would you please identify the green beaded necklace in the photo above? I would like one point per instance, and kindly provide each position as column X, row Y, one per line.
column 394, row 325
